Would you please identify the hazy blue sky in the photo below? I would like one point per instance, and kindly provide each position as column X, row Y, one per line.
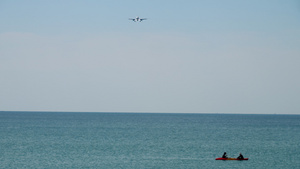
column 190, row 56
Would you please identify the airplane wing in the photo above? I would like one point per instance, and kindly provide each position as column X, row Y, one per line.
column 143, row 19
column 132, row 19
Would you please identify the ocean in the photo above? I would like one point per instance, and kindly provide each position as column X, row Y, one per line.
column 147, row 140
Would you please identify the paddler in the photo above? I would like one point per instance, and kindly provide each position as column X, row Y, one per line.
column 224, row 155
column 240, row 157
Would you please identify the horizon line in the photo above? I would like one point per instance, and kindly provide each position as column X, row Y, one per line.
column 141, row 112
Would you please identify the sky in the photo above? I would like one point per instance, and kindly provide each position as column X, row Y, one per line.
column 192, row 56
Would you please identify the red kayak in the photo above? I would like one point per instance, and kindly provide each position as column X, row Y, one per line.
column 220, row 158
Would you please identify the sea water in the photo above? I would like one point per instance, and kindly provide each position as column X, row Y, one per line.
column 147, row 140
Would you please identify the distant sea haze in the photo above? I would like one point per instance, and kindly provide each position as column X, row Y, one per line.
column 147, row 140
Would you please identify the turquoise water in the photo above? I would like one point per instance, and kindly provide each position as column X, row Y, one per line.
column 137, row 140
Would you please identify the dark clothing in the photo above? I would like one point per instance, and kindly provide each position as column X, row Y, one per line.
column 224, row 155
column 240, row 157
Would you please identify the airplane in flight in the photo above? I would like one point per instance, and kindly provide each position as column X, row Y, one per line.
column 137, row 19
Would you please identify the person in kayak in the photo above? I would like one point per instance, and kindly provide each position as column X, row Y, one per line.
column 224, row 155
column 240, row 157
